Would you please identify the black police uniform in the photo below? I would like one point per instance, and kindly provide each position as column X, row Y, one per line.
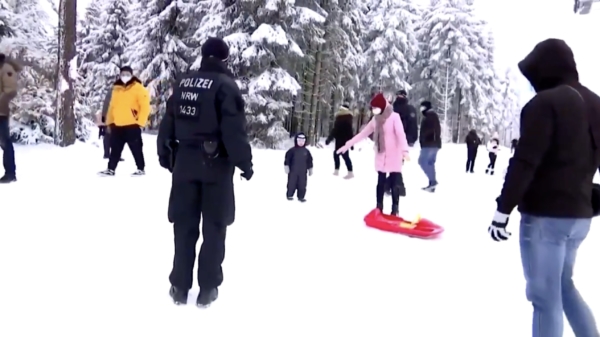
column 206, row 126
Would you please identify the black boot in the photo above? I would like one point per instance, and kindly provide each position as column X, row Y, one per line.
column 8, row 178
column 207, row 297
column 395, row 210
column 380, row 206
column 179, row 296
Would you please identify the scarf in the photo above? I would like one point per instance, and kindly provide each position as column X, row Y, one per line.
column 379, row 137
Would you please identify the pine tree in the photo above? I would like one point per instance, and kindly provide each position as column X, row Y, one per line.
column 104, row 50
column 390, row 45
column 159, row 50
column 455, row 62
column 6, row 20
column 65, row 130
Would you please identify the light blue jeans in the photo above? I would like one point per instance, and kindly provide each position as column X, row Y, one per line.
column 427, row 159
column 548, row 252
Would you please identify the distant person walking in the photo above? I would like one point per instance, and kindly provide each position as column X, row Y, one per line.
column 472, row 140
column 430, row 138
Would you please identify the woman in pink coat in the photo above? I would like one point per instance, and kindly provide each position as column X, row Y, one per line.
column 391, row 148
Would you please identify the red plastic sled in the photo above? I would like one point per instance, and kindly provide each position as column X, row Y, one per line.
column 422, row 228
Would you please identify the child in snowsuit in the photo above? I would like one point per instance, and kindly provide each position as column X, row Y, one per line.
column 342, row 132
column 473, row 142
column 493, row 148
column 391, row 148
column 298, row 165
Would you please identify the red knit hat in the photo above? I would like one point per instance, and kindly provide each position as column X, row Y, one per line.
column 379, row 101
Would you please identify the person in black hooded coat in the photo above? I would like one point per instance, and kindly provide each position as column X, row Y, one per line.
column 342, row 132
column 550, row 179
column 408, row 115
column 473, row 141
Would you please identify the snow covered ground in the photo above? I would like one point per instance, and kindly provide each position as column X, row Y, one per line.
column 87, row 256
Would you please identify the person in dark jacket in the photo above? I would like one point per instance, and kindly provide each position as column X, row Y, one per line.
column 473, row 141
column 430, row 139
column 298, row 166
column 9, row 87
column 550, row 180
column 103, row 130
column 205, row 117
column 513, row 145
column 408, row 114
column 342, row 132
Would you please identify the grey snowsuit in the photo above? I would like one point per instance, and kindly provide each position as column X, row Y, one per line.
column 299, row 162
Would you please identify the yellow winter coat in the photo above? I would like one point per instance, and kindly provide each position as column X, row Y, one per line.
column 129, row 104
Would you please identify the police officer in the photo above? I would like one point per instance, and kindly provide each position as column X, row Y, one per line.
column 204, row 127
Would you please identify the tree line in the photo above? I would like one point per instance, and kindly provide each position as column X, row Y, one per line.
column 295, row 61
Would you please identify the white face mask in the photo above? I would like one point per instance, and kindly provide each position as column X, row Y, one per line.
column 125, row 79
column 423, row 108
column 376, row 111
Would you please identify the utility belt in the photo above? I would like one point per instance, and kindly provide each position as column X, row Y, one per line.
column 211, row 149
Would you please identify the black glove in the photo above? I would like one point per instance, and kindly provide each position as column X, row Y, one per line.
column 497, row 229
column 165, row 162
column 352, row 148
column 327, row 142
column 247, row 171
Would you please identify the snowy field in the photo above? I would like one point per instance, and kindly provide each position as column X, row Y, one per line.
column 87, row 256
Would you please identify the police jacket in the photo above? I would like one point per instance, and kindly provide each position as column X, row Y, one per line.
column 207, row 106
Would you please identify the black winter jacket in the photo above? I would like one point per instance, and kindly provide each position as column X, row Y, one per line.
column 431, row 130
column 472, row 141
column 408, row 115
column 342, row 129
column 558, row 154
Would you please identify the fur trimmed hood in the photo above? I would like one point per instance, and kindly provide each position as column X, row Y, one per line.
column 343, row 111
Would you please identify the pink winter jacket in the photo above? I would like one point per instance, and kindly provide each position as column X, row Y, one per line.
column 396, row 146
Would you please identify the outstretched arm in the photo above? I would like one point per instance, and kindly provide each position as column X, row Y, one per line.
column 366, row 132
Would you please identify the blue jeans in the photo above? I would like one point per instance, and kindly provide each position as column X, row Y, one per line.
column 548, row 251
column 427, row 159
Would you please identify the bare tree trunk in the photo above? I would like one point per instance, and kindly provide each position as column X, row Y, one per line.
column 65, row 113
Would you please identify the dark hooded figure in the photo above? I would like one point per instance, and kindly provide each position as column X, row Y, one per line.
column 298, row 166
column 408, row 115
column 473, row 141
column 550, row 180
column 513, row 145
column 342, row 132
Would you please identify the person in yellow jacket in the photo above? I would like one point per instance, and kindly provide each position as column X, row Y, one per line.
column 128, row 113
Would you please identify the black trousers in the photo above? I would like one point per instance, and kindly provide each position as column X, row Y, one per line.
column 395, row 182
column 130, row 135
column 471, row 156
column 8, row 150
column 347, row 160
column 106, row 144
column 492, row 163
column 297, row 182
column 192, row 201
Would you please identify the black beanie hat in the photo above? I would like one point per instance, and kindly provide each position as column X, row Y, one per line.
column 127, row 69
column 426, row 104
column 215, row 47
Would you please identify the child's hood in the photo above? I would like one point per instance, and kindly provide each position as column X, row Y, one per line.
column 300, row 135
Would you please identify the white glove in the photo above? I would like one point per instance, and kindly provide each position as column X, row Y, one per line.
column 497, row 229
column 287, row 169
column 310, row 172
